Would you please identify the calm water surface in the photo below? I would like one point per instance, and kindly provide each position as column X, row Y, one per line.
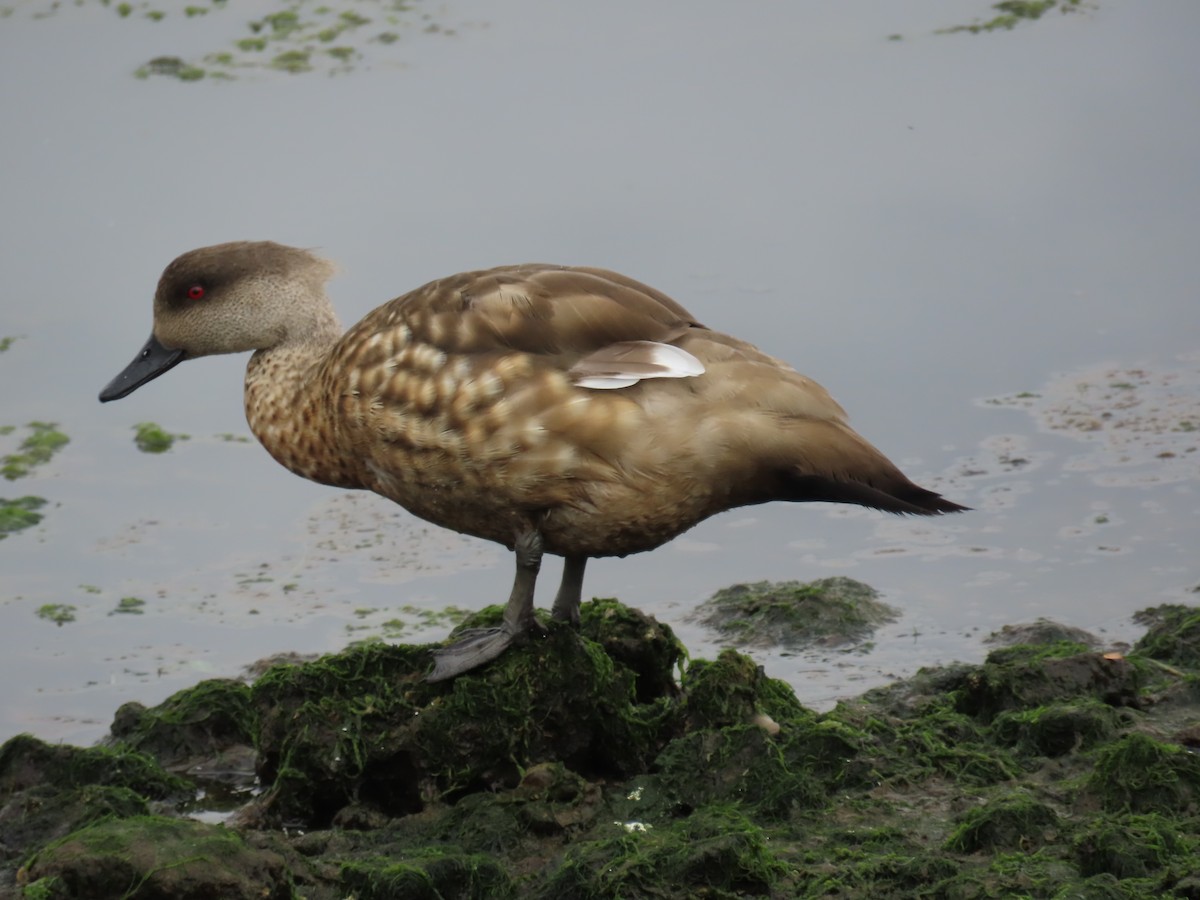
column 924, row 225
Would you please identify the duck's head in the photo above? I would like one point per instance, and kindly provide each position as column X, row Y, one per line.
column 245, row 295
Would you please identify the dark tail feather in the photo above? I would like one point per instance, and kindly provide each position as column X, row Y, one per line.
column 900, row 496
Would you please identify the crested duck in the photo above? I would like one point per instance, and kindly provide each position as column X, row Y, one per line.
column 553, row 409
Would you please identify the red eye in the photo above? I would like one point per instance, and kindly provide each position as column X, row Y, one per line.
column 196, row 292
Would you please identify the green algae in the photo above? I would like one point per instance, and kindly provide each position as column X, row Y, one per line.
column 1011, row 13
column 1173, row 636
column 569, row 769
column 1015, row 822
column 830, row 612
column 279, row 24
column 715, row 852
column 431, row 874
column 19, row 514
column 25, row 761
column 1133, row 846
column 414, row 618
column 156, row 856
column 1042, row 631
column 292, row 38
column 170, row 66
column 38, row 448
column 153, row 438
column 6, row 342
column 319, row 723
column 1137, row 773
column 129, row 606
column 911, row 740
column 638, row 642
column 1058, row 728
column 58, row 613
column 727, row 691
column 1025, row 677
column 293, row 61
column 214, row 714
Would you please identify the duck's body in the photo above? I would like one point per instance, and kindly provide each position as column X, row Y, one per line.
column 543, row 407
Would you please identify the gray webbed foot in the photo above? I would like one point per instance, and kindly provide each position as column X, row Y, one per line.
column 474, row 647
column 477, row 646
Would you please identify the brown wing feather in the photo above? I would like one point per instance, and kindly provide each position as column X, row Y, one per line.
column 547, row 310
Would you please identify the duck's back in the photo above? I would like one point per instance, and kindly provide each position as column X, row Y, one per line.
column 535, row 308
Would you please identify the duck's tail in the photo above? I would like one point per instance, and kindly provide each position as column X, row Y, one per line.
column 838, row 465
column 894, row 493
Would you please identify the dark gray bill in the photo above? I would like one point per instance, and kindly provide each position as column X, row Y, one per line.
column 151, row 361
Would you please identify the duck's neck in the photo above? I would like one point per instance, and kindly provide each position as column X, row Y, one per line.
column 290, row 411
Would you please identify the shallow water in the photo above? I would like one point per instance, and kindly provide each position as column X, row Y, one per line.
column 929, row 226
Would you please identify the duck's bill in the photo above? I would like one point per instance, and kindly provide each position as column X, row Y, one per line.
column 152, row 360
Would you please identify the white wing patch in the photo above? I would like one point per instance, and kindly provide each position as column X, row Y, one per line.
column 628, row 362
column 603, row 382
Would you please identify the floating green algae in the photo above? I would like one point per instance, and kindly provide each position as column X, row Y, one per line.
column 19, row 514
column 297, row 36
column 58, row 613
column 129, row 606
column 171, row 66
column 1011, row 13
column 587, row 764
column 293, row 61
column 153, row 438
column 38, row 447
column 412, row 618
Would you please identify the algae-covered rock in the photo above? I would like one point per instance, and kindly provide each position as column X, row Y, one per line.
column 1174, row 635
column 1132, row 846
column 433, row 874
column 733, row 690
column 637, row 641
column 1009, row 823
column 365, row 725
column 154, row 856
column 1139, row 774
column 1042, row 631
column 190, row 726
column 1057, row 728
column 717, row 852
column 27, row 762
column 48, row 791
column 588, row 764
column 831, row 612
column 1026, row 677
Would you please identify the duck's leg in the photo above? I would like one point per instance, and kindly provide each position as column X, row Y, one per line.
column 477, row 646
column 570, row 591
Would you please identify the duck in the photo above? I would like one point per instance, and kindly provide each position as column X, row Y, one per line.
column 552, row 409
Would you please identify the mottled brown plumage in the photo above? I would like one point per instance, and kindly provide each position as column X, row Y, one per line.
column 564, row 409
